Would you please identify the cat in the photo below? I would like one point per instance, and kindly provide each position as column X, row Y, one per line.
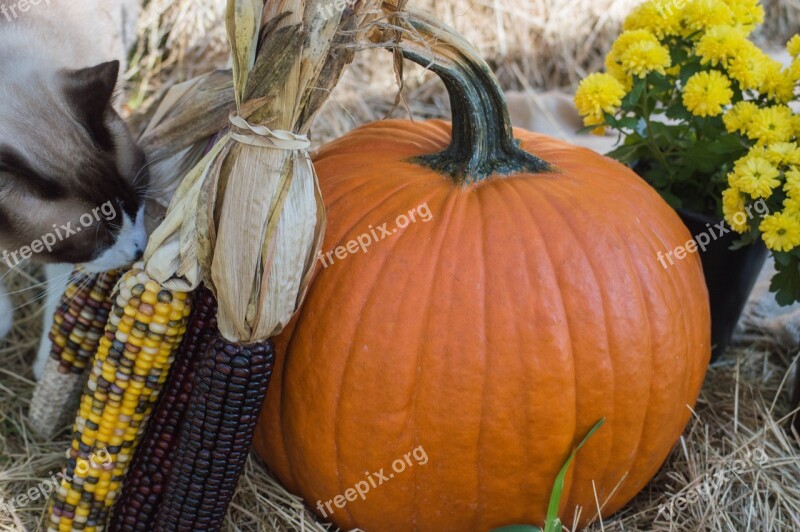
column 66, row 155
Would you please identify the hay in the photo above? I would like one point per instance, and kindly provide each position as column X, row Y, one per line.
column 529, row 43
column 537, row 43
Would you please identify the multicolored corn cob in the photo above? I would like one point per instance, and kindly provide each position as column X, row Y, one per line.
column 80, row 321
column 216, row 435
column 143, row 488
column 144, row 329
column 77, row 328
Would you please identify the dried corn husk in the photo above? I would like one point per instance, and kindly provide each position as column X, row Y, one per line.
column 248, row 219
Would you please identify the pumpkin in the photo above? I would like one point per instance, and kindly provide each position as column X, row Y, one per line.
column 492, row 336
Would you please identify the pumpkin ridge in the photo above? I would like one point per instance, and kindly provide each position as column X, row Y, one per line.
column 370, row 167
column 452, row 202
column 530, row 494
column 481, row 430
column 688, row 330
column 687, row 325
column 688, row 333
column 394, row 133
column 382, row 272
column 566, row 493
column 612, row 347
column 609, row 342
column 359, row 224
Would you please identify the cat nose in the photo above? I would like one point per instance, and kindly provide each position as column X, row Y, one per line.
column 138, row 252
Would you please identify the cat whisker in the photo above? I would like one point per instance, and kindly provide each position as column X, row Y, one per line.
column 45, row 293
column 10, row 270
column 39, row 285
column 147, row 166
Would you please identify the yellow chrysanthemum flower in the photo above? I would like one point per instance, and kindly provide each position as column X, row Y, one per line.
column 733, row 207
column 747, row 14
column 783, row 153
column 595, row 120
column 620, row 46
column 747, row 67
column 796, row 125
column 627, row 38
column 701, row 15
column 778, row 84
column 720, row 44
column 771, row 125
column 616, row 71
column 755, row 176
column 644, row 57
column 660, row 17
column 791, row 207
column 706, row 93
column 794, row 70
column 597, row 94
column 780, row 231
column 793, row 46
column 792, row 185
column 738, row 117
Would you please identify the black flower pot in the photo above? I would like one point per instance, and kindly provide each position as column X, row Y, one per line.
column 730, row 275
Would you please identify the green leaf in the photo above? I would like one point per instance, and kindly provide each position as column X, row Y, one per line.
column 786, row 282
column 701, row 157
column 633, row 97
column 745, row 240
column 629, row 122
column 586, row 129
column 727, row 144
column 611, row 120
column 660, row 83
column 678, row 111
column 628, row 153
column 674, row 201
column 782, row 259
column 657, row 176
column 553, row 523
column 518, row 528
column 688, row 70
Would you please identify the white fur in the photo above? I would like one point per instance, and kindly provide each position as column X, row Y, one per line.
column 130, row 244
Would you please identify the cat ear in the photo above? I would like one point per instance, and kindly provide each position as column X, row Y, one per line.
column 90, row 92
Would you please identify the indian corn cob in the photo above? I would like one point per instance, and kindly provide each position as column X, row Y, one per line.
column 77, row 328
column 144, row 328
column 142, row 491
column 216, row 435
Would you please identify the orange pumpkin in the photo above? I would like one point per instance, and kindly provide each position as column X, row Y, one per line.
column 493, row 336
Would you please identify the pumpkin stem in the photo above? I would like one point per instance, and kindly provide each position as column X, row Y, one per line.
column 483, row 143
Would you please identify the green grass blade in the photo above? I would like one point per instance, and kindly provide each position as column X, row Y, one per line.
column 553, row 523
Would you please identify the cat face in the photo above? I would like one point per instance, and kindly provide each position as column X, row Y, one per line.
column 67, row 158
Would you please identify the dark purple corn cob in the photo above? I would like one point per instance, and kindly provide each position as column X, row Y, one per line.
column 143, row 488
column 227, row 396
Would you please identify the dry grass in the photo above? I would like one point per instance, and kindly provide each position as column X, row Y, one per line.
column 530, row 43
